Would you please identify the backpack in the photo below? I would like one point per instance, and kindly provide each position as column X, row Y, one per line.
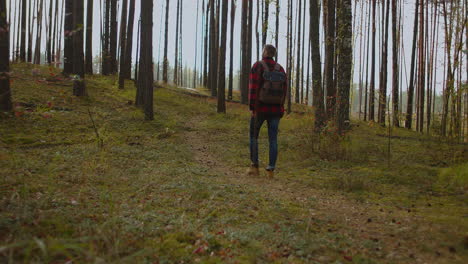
column 272, row 89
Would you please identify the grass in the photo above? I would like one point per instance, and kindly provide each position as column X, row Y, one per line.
column 173, row 190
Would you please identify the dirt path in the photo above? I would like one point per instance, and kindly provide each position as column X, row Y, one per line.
column 397, row 234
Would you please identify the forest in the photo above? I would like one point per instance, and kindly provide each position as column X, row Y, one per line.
column 124, row 132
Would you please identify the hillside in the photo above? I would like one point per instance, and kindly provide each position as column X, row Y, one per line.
column 88, row 180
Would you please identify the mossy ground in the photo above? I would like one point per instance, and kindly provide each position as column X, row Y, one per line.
column 173, row 190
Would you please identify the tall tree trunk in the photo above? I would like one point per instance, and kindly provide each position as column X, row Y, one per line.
column 345, row 53
column 166, row 36
column 176, row 54
column 145, row 79
column 265, row 22
column 366, row 92
column 5, row 92
column 409, row 106
column 113, row 37
column 49, row 35
column 30, row 31
column 89, row 38
column 206, row 43
column 213, row 81
column 257, row 35
column 79, row 87
column 290, row 55
column 68, row 36
column 194, row 83
column 329, row 14
column 231, row 49
column 37, row 46
column 123, row 42
column 277, row 26
column 317, row 89
column 421, row 68
column 106, row 68
column 222, row 59
column 395, row 67
column 23, row 32
column 298, row 57
column 129, row 44
column 54, row 34
column 372, row 80
column 244, row 46
column 384, row 66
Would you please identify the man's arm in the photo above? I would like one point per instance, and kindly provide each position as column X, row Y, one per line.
column 254, row 79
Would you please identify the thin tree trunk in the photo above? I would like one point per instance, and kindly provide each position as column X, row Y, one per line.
column 298, row 57
column 317, row 89
column 79, row 87
column 395, row 67
column 129, row 41
column 421, row 68
column 123, row 42
column 68, row 34
column 194, row 84
column 345, row 53
column 166, row 36
column 231, row 50
column 176, row 54
column 265, row 22
column 409, row 108
column 113, row 37
column 23, row 31
column 257, row 35
column 89, row 38
column 277, row 26
column 384, row 66
column 206, row 43
column 5, row 92
column 146, row 78
column 222, row 59
column 329, row 14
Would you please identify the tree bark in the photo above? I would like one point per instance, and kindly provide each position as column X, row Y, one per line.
column 395, row 67
column 23, row 32
column 166, row 36
column 113, row 37
column 129, row 44
column 222, row 59
column 146, row 78
column 317, row 89
column 345, row 57
column 5, row 92
column 298, row 58
column 329, row 14
column 384, row 68
column 409, row 108
column 265, row 22
column 123, row 42
column 372, row 80
column 89, row 38
column 231, row 50
column 68, row 34
column 79, row 87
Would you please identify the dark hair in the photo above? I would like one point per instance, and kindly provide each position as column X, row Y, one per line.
column 269, row 50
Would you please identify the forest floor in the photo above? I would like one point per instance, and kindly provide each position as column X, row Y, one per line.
column 88, row 180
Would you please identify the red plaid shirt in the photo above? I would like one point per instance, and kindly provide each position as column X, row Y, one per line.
column 255, row 82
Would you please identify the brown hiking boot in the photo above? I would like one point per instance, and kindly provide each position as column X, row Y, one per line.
column 253, row 171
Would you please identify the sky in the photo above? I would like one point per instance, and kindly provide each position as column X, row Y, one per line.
column 192, row 27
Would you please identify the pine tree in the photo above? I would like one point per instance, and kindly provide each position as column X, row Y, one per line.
column 79, row 87
column 222, row 57
column 123, row 42
column 146, row 78
column 317, row 88
column 129, row 45
column 345, row 58
column 166, row 36
column 68, row 34
column 5, row 92
column 89, row 38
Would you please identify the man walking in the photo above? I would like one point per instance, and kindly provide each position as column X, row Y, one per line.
column 267, row 94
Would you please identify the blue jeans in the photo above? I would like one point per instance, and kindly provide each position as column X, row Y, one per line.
column 255, row 125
